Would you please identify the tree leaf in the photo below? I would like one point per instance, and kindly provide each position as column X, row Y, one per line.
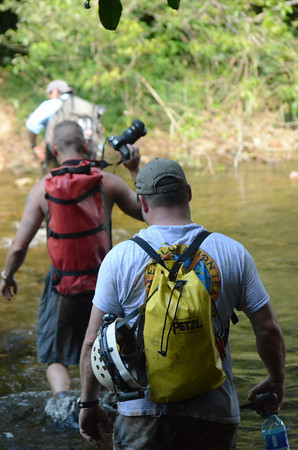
column 109, row 12
column 175, row 4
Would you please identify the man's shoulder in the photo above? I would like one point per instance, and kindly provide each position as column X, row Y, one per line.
column 111, row 181
column 226, row 240
column 109, row 175
column 36, row 197
column 38, row 190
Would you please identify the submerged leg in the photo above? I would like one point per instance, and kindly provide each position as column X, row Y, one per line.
column 61, row 407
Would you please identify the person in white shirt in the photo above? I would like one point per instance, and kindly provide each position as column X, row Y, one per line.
column 57, row 91
column 209, row 420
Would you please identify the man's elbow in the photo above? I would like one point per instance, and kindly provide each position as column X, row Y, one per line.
column 19, row 248
column 272, row 336
column 269, row 328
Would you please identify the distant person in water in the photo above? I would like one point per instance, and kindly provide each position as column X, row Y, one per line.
column 67, row 299
column 57, row 91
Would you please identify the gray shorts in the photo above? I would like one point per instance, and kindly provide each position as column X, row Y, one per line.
column 172, row 433
column 62, row 324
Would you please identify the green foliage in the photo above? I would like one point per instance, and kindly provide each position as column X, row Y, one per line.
column 171, row 69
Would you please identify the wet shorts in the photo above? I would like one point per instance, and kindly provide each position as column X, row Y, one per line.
column 172, row 433
column 62, row 324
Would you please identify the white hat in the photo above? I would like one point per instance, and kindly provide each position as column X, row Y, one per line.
column 60, row 85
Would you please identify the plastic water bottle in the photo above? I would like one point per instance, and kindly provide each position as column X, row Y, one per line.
column 275, row 434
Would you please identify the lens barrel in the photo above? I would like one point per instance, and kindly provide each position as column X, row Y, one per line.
column 129, row 136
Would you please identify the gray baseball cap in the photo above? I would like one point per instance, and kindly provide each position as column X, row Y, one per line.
column 60, row 85
column 154, row 171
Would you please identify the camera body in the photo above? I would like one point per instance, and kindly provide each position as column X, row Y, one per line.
column 129, row 136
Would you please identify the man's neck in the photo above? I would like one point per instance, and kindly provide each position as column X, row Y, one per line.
column 169, row 217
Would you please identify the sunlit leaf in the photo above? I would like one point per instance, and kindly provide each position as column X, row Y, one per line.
column 175, row 4
column 109, row 12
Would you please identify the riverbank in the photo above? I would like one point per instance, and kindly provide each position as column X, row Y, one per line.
column 225, row 142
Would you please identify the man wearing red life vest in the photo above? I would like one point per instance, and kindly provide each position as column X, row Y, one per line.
column 77, row 201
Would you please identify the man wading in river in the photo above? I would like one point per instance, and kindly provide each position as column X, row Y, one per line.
column 208, row 420
column 77, row 207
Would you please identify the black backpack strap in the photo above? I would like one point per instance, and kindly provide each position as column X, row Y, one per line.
column 140, row 310
column 85, row 169
column 190, row 250
column 148, row 249
column 234, row 318
column 182, row 258
column 93, row 163
column 74, row 201
column 126, row 319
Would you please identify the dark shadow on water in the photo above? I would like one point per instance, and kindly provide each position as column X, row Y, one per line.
column 24, row 425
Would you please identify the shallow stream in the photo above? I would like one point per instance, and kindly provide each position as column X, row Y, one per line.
column 256, row 205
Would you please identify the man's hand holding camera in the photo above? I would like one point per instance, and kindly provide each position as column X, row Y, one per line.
column 133, row 162
column 130, row 155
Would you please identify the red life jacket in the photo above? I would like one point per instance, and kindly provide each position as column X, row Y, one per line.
column 79, row 229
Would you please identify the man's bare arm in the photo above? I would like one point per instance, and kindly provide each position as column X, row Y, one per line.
column 89, row 384
column 92, row 420
column 272, row 350
column 117, row 191
column 126, row 199
column 134, row 161
column 32, row 139
column 30, row 223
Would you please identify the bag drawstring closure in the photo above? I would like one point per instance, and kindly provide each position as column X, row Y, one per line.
column 178, row 285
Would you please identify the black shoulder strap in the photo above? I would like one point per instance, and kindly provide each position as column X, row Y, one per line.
column 148, row 249
column 93, row 163
column 182, row 258
column 85, row 169
column 191, row 249
column 188, row 253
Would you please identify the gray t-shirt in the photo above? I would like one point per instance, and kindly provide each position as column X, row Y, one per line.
column 231, row 275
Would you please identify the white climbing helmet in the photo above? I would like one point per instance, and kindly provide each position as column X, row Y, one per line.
column 117, row 361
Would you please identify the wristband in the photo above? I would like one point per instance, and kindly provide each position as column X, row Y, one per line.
column 32, row 145
column 83, row 405
column 5, row 278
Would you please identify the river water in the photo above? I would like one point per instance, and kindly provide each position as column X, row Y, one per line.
column 256, row 205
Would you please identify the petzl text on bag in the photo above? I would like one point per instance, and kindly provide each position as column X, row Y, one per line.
column 180, row 346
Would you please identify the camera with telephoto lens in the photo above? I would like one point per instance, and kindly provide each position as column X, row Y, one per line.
column 129, row 136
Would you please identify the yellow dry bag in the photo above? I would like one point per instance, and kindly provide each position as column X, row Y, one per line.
column 179, row 339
